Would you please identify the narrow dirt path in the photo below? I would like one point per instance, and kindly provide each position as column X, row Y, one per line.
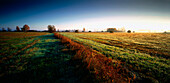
column 47, row 61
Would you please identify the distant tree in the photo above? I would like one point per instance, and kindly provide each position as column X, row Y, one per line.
column 51, row 28
column 123, row 29
column 111, row 31
column 25, row 28
column 76, row 31
column 32, row 31
column 44, row 31
column 58, row 30
column 133, row 31
column 67, row 30
column 83, row 30
column 3, row 30
column 17, row 29
column 9, row 29
column 89, row 31
column 129, row 31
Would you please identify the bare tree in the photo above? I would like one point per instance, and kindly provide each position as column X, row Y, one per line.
column 123, row 29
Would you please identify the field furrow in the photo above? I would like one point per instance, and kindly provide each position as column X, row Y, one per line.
column 44, row 60
column 153, row 67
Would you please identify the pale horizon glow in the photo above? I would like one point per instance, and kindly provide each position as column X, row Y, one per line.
column 134, row 23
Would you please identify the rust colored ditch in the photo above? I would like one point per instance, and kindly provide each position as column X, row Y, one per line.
column 99, row 65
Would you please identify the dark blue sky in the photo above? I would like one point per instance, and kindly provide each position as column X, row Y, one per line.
column 62, row 13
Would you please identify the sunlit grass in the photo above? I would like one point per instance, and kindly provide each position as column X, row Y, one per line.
column 140, row 61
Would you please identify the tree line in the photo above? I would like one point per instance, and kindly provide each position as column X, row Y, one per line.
column 26, row 28
column 51, row 29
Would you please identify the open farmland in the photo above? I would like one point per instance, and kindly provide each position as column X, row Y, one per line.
column 13, row 42
column 33, row 57
column 147, row 54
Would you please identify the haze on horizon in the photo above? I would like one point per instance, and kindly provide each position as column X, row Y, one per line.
column 95, row 15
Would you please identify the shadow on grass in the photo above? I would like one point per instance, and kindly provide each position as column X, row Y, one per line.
column 49, row 64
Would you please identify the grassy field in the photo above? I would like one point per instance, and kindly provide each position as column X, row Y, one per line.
column 31, row 57
column 13, row 42
column 147, row 54
column 37, row 57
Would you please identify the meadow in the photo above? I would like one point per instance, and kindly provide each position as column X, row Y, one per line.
column 146, row 54
column 31, row 57
column 69, row 57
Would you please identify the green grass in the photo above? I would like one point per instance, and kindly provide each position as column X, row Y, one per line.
column 48, row 60
column 142, row 63
column 11, row 42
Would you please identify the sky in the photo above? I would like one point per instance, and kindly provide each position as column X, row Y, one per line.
column 94, row 15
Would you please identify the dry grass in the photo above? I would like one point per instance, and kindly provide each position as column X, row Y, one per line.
column 151, row 43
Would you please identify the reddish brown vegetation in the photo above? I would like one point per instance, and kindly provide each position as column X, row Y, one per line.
column 25, row 28
column 102, row 67
column 17, row 28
